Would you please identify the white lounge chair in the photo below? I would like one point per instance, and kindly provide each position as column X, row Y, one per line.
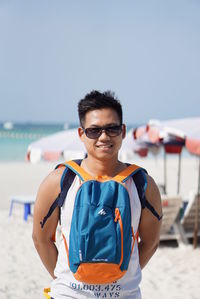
column 191, row 216
column 171, row 206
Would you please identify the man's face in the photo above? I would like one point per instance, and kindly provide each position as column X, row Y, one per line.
column 103, row 147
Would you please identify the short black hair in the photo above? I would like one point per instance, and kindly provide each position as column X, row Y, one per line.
column 98, row 100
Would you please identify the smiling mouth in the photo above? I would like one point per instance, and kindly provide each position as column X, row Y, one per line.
column 104, row 146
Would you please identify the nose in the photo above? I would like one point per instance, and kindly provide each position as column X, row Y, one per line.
column 103, row 135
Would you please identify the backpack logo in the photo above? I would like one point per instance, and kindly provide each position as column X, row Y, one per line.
column 102, row 212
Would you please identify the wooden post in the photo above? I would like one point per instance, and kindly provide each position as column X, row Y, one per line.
column 165, row 171
column 179, row 173
column 196, row 224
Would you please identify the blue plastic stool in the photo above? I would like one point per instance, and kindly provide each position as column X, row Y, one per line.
column 27, row 201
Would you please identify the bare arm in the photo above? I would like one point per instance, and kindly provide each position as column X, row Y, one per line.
column 149, row 228
column 42, row 237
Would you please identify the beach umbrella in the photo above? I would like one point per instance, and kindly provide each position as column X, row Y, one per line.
column 166, row 135
column 64, row 144
column 130, row 147
column 153, row 141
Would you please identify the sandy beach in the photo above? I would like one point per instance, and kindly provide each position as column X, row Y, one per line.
column 173, row 272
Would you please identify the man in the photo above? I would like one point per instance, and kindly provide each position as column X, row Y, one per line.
column 102, row 131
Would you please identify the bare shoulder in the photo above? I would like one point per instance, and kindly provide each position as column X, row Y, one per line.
column 49, row 189
column 47, row 193
column 153, row 194
column 149, row 227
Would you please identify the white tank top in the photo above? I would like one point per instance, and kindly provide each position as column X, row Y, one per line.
column 66, row 286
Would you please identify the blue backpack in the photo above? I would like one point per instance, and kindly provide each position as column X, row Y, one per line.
column 101, row 236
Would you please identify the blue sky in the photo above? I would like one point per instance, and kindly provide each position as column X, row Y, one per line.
column 54, row 52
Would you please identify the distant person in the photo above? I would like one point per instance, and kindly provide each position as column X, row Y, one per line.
column 100, row 254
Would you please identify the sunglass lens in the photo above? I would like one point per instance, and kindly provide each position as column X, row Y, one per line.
column 93, row 133
column 114, row 131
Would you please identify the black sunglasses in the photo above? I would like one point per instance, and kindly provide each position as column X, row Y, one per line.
column 111, row 131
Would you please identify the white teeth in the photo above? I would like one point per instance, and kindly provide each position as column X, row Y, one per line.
column 104, row 146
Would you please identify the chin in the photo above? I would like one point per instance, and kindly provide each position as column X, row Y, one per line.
column 104, row 156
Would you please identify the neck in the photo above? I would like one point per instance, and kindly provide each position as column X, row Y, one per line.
column 102, row 168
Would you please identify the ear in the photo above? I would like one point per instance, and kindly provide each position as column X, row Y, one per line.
column 123, row 131
column 80, row 133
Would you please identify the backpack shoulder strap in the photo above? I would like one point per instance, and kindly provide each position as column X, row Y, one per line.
column 65, row 183
column 126, row 173
column 141, row 185
column 77, row 169
column 139, row 177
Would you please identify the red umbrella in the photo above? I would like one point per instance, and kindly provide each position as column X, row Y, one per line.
column 173, row 135
column 153, row 136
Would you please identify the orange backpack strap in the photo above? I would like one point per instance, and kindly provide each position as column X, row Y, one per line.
column 126, row 173
column 83, row 175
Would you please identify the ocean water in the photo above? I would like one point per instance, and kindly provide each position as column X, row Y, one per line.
column 15, row 138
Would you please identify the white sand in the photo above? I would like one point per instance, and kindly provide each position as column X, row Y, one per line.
column 172, row 272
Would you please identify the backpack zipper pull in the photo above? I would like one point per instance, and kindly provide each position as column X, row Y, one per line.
column 117, row 215
column 118, row 218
